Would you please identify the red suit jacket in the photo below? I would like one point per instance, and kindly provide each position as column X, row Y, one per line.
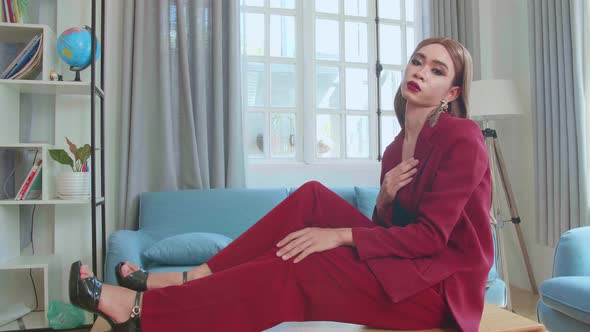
column 448, row 238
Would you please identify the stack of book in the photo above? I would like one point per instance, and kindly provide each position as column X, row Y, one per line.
column 14, row 11
column 28, row 62
column 31, row 187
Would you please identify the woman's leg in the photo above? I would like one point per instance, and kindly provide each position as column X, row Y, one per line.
column 311, row 205
column 329, row 286
column 164, row 279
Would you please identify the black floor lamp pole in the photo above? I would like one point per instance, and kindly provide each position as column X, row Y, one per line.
column 491, row 138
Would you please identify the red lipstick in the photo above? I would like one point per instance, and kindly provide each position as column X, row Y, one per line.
column 413, row 86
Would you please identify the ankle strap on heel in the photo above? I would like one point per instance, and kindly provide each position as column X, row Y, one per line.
column 136, row 310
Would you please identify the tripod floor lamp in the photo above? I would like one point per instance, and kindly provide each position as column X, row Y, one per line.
column 498, row 100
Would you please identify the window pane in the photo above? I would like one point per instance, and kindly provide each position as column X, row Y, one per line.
column 356, row 42
column 389, row 129
column 355, row 7
column 328, row 136
column 390, row 9
column 255, row 84
column 282, row 135
column 357, row 89
column 257, row 3
column 288, row 4
column 254, row 34
column 256, row 136
column 282, row 36
column 410, row 10
column 327, row 40
column 327, row 87
column 389, row 82
column 411, row 40
column 357, row 136
column 327, row 6
column 282, row 83
column 390, row 41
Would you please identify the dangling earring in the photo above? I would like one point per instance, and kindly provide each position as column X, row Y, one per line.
column 437, row 112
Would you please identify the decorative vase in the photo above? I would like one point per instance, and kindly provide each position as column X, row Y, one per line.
column 73, row 185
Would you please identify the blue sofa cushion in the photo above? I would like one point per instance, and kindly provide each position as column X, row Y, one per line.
column 186, row 249
column 568, row 295
column 366, row 197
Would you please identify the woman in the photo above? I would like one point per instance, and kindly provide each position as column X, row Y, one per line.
column 422, row 263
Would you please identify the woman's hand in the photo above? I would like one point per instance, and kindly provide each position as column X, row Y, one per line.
column 312, row 239
column 395, row 179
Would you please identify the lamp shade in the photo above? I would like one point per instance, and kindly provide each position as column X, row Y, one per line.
column 494, row 99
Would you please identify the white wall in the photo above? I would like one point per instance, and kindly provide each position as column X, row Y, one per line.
column 505, row 54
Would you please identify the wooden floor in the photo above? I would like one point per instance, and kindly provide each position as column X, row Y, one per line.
column 524, row 303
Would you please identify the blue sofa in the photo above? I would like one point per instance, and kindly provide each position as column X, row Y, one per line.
column 565, row 298
column 224, row 211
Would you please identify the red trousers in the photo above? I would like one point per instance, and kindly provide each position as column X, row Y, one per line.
column 251, row 289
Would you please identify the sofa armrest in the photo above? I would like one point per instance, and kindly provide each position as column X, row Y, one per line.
column 568, row 295
column 571, row 254
column 127, row 246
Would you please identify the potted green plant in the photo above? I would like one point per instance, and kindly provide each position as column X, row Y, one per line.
column 74, row 184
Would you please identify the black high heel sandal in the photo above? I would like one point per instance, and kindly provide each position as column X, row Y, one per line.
column 85, row 294
column 137, row 280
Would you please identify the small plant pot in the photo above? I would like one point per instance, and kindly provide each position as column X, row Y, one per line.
column 73, row 185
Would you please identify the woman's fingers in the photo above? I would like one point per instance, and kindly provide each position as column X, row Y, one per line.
column 296, row 250
column 405, row 182
column 408, row 174
column 291, row 246
column 310, row 250
column 291, row 236
column 297, row 242
column 408, row 165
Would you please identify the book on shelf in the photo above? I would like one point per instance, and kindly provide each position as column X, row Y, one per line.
column 14, row 11
column 2, row 13
column 8, row 11
column 28, row 63
column 31, row 187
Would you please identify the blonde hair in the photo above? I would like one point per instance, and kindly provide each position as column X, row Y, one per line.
column 463, row 75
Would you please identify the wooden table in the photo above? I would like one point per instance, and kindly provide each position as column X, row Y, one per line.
column 495, row 319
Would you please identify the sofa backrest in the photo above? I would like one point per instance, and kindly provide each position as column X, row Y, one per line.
column 225, row 211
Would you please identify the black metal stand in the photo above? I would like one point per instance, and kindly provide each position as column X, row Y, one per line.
column 497, row 160
column 97, row 200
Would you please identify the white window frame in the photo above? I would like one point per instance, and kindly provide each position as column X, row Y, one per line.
column 306, row 142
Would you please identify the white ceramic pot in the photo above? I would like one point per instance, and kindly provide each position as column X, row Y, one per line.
column 73, row 185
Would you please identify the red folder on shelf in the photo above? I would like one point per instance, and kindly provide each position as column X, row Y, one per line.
column 9, row 12
column 34, row 173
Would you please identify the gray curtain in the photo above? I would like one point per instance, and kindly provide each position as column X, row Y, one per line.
column 181, row 105
column 455, row 19
column 558, row 105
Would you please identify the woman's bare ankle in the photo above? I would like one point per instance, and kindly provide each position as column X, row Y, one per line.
column 117, row 302
column 200, row 271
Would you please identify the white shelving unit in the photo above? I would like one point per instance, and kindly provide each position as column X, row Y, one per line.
column 23, row 33
column 48, row 87
column 51, row 274
column 35, row 116
column 55, row 201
